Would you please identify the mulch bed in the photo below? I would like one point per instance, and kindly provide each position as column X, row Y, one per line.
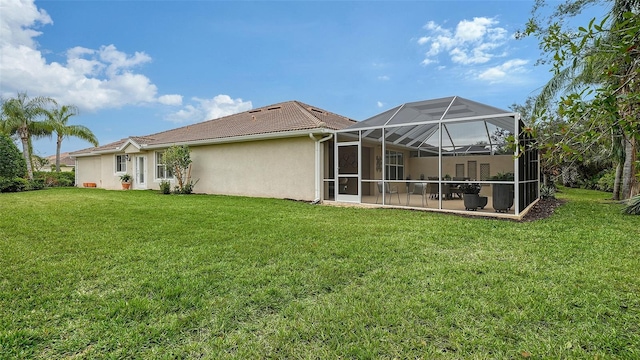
column 543, row 209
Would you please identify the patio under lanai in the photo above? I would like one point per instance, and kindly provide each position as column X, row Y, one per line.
column 432, row 155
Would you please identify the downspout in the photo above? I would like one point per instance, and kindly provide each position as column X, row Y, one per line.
column 75, row 171
column 318, row 170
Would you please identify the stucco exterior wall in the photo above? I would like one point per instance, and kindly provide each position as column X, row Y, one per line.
column 280, row 168
column 429, row 165
column 91, row 170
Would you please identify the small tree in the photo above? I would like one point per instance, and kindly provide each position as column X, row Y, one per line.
column 178, row 159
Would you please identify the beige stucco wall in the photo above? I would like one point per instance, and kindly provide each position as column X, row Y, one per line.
column 429, row 165
column 91, row 170
column 280, row 168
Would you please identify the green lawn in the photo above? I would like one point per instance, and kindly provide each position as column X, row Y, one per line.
column 88, row 273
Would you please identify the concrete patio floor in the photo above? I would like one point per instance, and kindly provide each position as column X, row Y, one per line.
column 414, row 202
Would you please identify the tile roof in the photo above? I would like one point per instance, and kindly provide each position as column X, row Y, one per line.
column 65, row 160
column 276, row 118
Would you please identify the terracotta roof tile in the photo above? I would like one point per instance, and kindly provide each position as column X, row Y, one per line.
column 65, row 160
column 281, row 117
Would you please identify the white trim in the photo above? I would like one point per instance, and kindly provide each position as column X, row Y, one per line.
column 347, row 197
column 318, row 166
column 127, row 143
column 115, row 164
column 137, row 184
column 157, row 179
column 516, row 170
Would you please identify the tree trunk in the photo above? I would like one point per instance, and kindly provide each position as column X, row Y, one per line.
column 26, row 154
column 617, row 183
column 633, row 188
column 629, row 169
column 58, row 146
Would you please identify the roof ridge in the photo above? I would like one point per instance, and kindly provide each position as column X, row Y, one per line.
column 307, row 113
column 326, row 111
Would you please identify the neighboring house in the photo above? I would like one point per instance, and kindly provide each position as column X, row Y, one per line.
column 273, row 151
column 66, row 163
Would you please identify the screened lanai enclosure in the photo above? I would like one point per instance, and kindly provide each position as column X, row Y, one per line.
column 450, row 154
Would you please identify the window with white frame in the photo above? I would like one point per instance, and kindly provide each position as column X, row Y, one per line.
column 162, row 171
column 121, row 163
column 395, row 165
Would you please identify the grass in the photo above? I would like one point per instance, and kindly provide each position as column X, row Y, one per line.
column 87, row 273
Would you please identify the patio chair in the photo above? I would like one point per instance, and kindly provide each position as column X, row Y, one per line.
column 389, row 190
column 432, row 190
column 418, row 189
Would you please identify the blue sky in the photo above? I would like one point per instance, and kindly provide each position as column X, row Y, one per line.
column 140, row 67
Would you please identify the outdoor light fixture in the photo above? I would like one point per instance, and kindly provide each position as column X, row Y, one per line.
column 126, row 157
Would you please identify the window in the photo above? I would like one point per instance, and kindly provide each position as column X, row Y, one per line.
column 121, row 163
column 395, row 165
column 485, row 171
column 460, row 170
column 472, row 170
column 162, row 172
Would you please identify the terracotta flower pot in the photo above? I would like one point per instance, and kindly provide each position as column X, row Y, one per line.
column 126, row 186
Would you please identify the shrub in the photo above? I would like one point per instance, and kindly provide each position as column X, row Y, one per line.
column 547, row 192
column 14, row 184
column 12, row 164
column 55, row 179
column 470, row 188
column 165, row 187
column 633, row 206
column 187, row 188
column 36, row 184
column 606, row 181
column 508, row 176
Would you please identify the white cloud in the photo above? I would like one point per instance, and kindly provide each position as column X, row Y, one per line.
column 170, row 100
column 426, row 62
column 471, row 42
column 207, row 109
column 380, row 104
column 91, row 79
column 504, row 72
column 384, row 78
column 19, row 18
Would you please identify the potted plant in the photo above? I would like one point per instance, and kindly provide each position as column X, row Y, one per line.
column 125, row 179
column 503, row 193
column 471, row 196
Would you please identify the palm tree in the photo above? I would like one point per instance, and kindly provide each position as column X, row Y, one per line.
column 57, row 120
column 20, row 116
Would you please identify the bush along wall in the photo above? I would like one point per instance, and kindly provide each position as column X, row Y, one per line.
column 55, row 179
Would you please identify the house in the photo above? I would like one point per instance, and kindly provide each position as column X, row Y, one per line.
column 419, row 155
column 273, row 151
column 66, row 163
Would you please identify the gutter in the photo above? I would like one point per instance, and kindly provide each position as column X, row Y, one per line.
column 318, row 171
